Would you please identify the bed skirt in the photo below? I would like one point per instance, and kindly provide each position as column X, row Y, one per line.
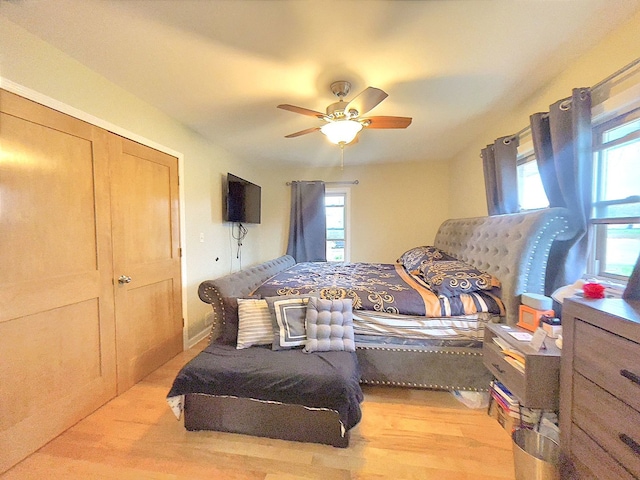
column 264, row 419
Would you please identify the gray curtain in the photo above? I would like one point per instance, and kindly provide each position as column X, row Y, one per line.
column 308, row 225
column 500, row 175
column 632, row 292
column 562, row 141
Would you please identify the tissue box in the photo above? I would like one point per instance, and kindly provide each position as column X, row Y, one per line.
column 552, row 330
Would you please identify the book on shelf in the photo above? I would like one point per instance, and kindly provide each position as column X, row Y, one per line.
column 504, row 392
column 507, row 350
column 515, row 354
column 527, row 415
column 503, row 344
column 515, row 363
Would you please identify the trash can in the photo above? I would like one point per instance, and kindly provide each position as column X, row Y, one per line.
column 535, row 456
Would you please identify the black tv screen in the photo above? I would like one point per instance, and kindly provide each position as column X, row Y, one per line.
column 242, row 202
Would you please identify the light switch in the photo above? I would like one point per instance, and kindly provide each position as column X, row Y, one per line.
column 201, row 237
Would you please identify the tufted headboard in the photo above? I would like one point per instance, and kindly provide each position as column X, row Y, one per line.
column 240, row 284
column 514, row 248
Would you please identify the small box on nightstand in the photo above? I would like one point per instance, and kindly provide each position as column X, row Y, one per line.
column 529, row 318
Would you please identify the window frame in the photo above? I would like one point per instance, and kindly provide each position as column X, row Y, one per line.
column 598, row 222
column 345, row 192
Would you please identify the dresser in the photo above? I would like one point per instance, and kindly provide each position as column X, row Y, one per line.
column 600, row 389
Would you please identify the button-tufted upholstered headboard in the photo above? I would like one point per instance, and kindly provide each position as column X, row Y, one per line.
column 514, row 248
column 239, row 284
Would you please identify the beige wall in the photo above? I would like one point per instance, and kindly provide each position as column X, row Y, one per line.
column 618, row 49
column 394, row 207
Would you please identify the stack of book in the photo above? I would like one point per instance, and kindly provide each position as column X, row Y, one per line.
column 508, row 410
column 511, row 356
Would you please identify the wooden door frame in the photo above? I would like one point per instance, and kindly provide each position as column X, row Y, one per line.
column 98, row 122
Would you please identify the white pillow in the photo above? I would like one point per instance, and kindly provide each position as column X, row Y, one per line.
column 254, row 323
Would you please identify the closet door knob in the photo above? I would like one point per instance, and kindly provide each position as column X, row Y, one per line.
column 124, row 279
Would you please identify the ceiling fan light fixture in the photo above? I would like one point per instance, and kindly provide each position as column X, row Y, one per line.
column 343, row 131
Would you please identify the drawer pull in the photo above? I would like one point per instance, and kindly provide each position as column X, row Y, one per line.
column 630, row 442
column 630, row 375
column 497, row 367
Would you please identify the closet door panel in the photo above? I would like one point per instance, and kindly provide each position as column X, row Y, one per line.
column 144, row 199
column 57, row 323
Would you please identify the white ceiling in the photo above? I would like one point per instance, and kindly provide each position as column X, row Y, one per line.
column 221, row 66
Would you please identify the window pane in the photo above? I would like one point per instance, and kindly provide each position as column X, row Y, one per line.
column 335, row 217
column 621, row 131
column 335, row 208
column 622, row 249
column 620, row 171
column 618, row 210
column 335, row 250
column 531, row 193
column 334, row 200
column 335, row 233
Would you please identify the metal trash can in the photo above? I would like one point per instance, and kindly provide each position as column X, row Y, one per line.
column 535, row 456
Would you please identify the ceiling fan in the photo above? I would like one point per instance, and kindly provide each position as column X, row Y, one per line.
column 343, row 119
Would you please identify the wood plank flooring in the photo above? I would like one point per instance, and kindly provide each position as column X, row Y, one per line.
column 404, row 434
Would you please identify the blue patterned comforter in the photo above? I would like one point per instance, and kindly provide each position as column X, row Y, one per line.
column 377, row 287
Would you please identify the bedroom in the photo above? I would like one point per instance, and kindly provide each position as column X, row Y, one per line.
column 63, row 78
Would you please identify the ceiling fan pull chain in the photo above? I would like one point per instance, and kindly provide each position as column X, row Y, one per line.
column 342, row 156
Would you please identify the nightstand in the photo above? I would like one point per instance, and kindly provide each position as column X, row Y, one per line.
column 538, row 385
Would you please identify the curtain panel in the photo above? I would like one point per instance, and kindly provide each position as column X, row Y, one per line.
column 500, row 175
column 562, row 140
column 308, row 224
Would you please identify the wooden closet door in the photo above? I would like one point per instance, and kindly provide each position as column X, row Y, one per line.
column 146, row 252
column 57, row 327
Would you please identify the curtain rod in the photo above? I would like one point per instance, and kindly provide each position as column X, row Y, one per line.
column 617, row 73
column 353, row 182
column 598, row 85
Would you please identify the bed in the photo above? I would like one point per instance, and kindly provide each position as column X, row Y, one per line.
column 511, row 248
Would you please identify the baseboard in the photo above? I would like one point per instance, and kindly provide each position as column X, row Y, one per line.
column 198, row 337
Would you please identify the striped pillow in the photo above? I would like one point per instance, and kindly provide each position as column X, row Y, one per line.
column 254, row 323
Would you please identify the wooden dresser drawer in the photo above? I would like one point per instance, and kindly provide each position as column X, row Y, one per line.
column 608, row 421
column 604, row 358
column 591, row 462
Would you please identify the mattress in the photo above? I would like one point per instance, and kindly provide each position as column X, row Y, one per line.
column 465, row 330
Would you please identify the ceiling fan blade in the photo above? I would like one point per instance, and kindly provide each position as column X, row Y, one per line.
column 388, row 122
column 302, row 111
column 365, row 101
column 302, row 132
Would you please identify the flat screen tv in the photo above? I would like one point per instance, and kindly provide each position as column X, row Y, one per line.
column 242, row 200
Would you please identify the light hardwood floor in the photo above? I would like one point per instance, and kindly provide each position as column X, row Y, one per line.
column 404, row 434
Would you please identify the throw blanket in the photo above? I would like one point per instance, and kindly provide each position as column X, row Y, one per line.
column 321, row 380
column 378, row 287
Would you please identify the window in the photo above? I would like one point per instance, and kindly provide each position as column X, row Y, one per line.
column 616, row 196
column 615, row 218
column 531, row 194
column 336, row 203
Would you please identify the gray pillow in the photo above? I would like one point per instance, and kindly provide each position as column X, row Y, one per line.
column 288, row 313
column 329, row 325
